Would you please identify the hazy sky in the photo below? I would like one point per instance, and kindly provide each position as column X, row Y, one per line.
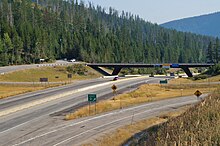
column 160, row 11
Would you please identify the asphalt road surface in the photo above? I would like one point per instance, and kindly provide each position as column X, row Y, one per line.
column 7, row 69
column 37, row 118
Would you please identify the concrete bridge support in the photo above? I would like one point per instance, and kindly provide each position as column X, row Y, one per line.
column 187, row 71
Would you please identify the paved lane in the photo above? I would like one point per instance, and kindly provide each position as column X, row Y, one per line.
column 77, row 132
column 77, row 96
column 7, row 69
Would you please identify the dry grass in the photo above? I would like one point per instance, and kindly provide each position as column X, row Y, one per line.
column 54, row 74
column 121, row 135
column 186, row 80
column 10, row 90
column 198, row 126
column 145, row 93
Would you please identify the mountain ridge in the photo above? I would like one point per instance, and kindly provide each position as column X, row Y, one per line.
column 207, row 24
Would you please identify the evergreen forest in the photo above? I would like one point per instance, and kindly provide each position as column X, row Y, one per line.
column 57, row 29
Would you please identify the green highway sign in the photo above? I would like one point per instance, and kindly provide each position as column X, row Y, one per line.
column 163, row 81
column 92, row 97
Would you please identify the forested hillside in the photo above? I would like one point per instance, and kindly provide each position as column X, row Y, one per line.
column 54, row 29
column 205, row 24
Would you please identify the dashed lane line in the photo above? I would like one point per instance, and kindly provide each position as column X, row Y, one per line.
column 51, row 98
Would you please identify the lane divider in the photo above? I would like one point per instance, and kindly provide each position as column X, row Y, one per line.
column 106, row 115
column 51, row 98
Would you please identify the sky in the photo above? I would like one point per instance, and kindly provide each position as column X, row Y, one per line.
column 161, row 11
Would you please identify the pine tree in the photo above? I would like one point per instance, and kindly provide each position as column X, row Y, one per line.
column 210, row 53
column 217, row 50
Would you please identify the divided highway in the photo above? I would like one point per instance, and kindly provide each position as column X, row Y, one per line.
column 42, row 122
column 7, row 69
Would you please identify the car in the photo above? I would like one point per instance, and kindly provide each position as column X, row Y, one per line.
column 115, row 78
column 72, row 60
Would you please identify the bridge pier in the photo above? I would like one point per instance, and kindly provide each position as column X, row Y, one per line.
column 187, row 71
column 100, row 70
column 116, row 71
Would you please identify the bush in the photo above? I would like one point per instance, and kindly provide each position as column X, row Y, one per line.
column 77, row 69
column 199, row 77
column 214, row 70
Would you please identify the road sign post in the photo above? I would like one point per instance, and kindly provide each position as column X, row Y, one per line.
column 92, row 98
column 181, row 92
column 198, row 93
column 69, row 76
column 163, row 81
column 45, row 80
column 114, row 88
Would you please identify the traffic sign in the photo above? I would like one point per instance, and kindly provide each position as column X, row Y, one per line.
column 114, row 87
column 92, row 98
column 157, row 65
column 163, row 81
column 43, row 79
column 198, row 93
column 69, row 76
column 166, row 65
column 175, row 65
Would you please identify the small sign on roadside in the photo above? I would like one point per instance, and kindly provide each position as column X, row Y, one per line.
column 69, row 76
column 163, row 81
column 43, row 79
column 198, row 93
column 114, row 87
column 92, row 98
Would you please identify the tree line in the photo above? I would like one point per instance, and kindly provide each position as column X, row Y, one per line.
column 54, row 29
column 213, row 52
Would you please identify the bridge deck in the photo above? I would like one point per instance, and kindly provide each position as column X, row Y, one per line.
column 118, row 66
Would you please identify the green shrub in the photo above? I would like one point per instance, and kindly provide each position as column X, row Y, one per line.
column 77, row 69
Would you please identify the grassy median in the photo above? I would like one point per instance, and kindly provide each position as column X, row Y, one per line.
column 56, row 74
column 145, row 93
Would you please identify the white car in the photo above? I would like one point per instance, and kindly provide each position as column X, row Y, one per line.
column 72, row 60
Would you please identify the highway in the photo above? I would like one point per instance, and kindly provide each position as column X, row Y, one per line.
column 7, row 69
column 37, row 118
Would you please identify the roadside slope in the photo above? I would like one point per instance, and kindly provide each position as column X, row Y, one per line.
column 200, row 125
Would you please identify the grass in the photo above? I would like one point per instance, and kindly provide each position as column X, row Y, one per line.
column 10, row 90
column 187, row 80
column 123, row 134
column 144, row 93
column 54, row 74
column 198, row 126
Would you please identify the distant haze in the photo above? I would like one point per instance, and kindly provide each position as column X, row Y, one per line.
column 205, row 24
column 161, row 11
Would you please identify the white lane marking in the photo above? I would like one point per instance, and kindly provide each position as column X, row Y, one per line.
column 101, row 116
column 75, row 104
column 16, row 126
column 32, row 120
column 94, row 118
column 117, row 121
column 51, row 98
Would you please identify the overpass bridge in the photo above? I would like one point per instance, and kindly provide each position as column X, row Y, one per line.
column 118, row 66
